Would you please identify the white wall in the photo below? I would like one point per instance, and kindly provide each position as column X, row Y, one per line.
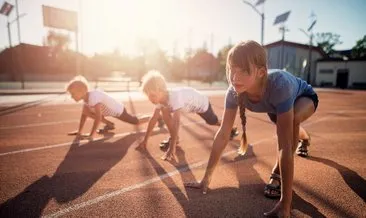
column 303, row 54
column 356, row 72
column 294, row 58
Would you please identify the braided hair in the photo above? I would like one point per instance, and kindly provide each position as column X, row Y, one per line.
column 243, row 141
column 243, row 55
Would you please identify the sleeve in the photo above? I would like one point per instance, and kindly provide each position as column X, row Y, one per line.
column 177, row 102
column 283, row 94
column 93, row 99
column 231, row 101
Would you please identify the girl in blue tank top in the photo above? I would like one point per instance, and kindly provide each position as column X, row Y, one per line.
column 287, row 100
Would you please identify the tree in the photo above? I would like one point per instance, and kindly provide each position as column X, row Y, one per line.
column 359, row 50
column 203, row 66
column 327, row 41
column 221, row 56
column 177, row 68
column 57, row 41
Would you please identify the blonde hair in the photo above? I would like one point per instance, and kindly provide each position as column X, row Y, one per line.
column 243, row 55
column 79, row 83
column 153, row 81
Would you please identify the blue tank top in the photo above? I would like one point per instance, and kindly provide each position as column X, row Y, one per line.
column 282, row 89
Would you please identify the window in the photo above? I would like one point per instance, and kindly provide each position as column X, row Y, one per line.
column 326, row 71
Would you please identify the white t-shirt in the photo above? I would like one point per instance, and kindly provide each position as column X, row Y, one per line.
column 109, row 106
column 188, row 99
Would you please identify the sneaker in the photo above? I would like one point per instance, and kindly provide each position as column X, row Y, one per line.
column 106, row 128
column 234, row 132
column 165, row 143
column 302, row 148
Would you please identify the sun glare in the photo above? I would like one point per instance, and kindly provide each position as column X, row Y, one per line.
column 120, row 24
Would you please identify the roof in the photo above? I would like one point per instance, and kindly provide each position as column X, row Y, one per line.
column 295, row 44
column 340, row 59
column 341, row 53
column 34, row 49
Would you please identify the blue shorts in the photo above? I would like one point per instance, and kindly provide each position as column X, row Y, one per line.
column 209, row 116
column 126, row 117
column 313, row 97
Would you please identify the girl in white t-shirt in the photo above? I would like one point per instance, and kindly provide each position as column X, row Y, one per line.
column 171, row 103
column 98, row 105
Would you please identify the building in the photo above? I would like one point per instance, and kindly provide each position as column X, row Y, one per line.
column 26, row 62
column 295, row 58
column 341, row 72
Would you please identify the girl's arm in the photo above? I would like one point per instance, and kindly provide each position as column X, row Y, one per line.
column 97, row 119
column 285, row 133
column 220, row 142
column 82, row 119
column 151, row 125
column 173, row 127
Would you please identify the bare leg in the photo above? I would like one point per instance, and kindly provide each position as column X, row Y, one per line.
column 303, row 109
column 90, row 114
column 303, row 135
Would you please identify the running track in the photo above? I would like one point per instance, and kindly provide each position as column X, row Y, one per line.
column 43, row 173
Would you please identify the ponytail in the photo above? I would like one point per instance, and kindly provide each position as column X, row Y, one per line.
column 243, row 141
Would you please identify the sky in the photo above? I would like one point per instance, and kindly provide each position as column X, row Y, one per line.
column 179, row 25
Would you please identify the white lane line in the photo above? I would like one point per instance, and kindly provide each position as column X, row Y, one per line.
column 155, row 179
column 81, row 142
column 124, row 134
column 48, row 123
column 123, row 190
column 38, row 124
column 139, row 185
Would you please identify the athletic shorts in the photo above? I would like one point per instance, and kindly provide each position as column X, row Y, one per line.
column 209, row 116
column 126, row 117
column 313, row 97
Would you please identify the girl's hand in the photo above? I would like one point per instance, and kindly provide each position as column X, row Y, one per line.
column 198, row 185
column 142, row 145
column 169, row 156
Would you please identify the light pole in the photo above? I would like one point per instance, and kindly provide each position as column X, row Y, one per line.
column 260, row 14
column 8, row 26
column 309, row 34
column 18, row 23
column 281, row 19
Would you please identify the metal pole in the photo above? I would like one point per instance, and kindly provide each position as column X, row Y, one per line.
column 262, row 29
column 79, row 37
column 18, row 22
column 212, row 60
column 77, row 51
column 283, row 46
column 9, row 34
column 19, row 52
column 310, row 54
column 260, row 14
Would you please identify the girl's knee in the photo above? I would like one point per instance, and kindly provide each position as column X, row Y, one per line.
column 304, row 108
column 298, row 119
